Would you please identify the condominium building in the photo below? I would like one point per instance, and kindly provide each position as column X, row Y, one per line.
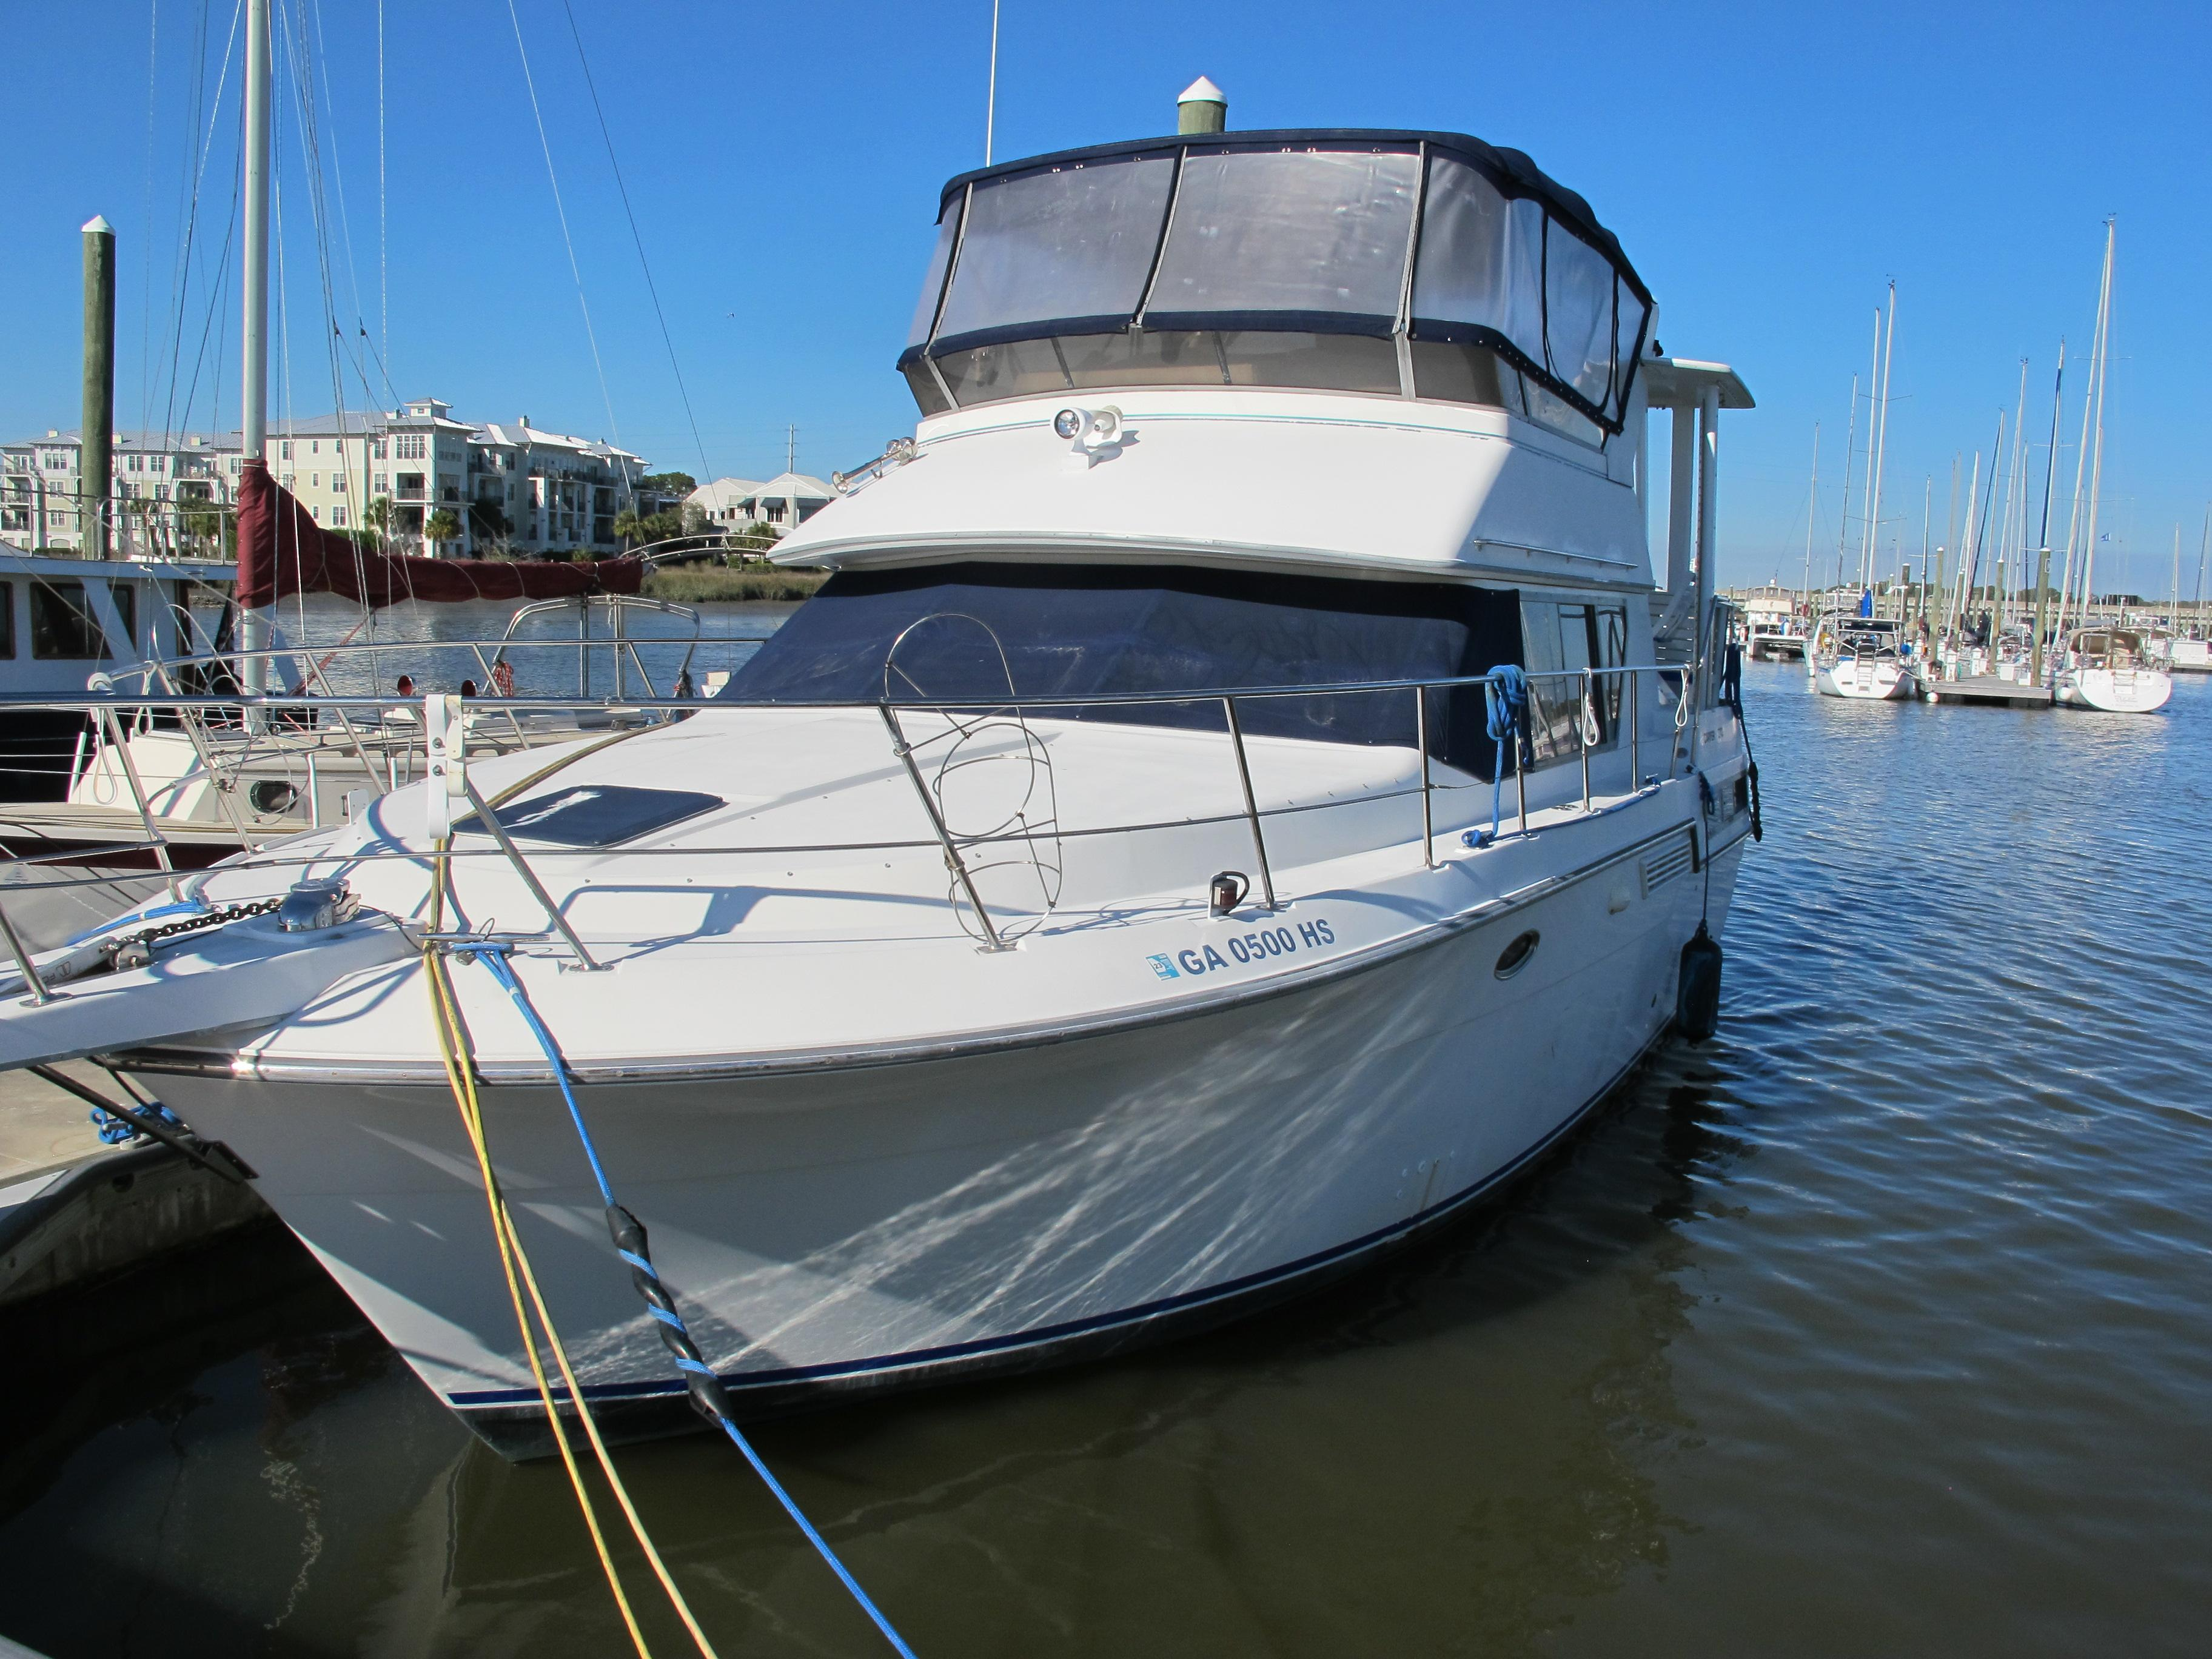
column 515, row 488
column 158, row 480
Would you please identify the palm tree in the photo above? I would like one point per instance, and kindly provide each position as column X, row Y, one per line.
column 441, row 526
column 628, row 526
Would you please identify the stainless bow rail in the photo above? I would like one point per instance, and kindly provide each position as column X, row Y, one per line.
column 1599, row 724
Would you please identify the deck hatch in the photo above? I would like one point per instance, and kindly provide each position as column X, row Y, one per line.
column 595, row 814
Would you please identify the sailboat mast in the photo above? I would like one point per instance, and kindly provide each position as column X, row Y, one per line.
column 2016, row 507
column 1962, row 596
column 1927, row 513
column 1812, row 510
column 2081, row 474
column 2203, row 547
column 1843, row 513
column 2043, row 537
column 1873, row 418
column 1881, row 431
column 253, row 386
column 1981, row 531
column 2097, row 456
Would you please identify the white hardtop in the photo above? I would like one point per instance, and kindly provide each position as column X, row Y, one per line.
column 1335, row 482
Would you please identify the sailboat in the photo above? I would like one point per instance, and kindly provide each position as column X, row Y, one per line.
column 1859, row 655
column 2107, row 667
column 2103, row 667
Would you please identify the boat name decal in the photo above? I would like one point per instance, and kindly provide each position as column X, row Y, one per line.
column 1255, row 946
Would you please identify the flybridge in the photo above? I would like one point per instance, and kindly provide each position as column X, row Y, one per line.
column 1419, row 264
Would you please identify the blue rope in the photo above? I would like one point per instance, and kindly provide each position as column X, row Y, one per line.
column 705, row 1388
column 1505, row 697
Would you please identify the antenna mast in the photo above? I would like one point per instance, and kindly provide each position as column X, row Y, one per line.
column 991, row 98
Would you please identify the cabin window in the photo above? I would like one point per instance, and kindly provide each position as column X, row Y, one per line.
column 1564, row 637
column 1578, row 313
column 64, row 627
column 991, row 632
column 1298, row 235
column 1131, row 268
column 1480, row 263
column 1547, row 409
column 932, row 279
column 7, row 620
column 1019, row 368
column 1068, row 245
column 1466, row 374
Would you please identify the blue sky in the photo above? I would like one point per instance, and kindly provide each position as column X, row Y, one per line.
column 1768, row 167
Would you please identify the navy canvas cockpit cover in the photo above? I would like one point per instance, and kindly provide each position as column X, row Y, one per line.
column 1005, row 632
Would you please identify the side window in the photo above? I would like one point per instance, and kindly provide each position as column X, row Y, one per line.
column 1551, row 699
column 7, row 620
column 1612, row 652
column 62, row 628
column 1565, row 638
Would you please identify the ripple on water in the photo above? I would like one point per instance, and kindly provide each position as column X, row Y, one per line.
column 1882, row 1323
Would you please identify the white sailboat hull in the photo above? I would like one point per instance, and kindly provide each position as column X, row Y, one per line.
column 1874, row 681
column 2114, row 691
column 828, row 1231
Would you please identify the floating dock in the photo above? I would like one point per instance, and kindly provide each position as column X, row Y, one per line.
column 1987, row 689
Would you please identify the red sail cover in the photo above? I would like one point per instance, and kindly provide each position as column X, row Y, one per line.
column 282, row 550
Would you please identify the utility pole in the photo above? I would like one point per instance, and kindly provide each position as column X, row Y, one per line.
column 95, row 451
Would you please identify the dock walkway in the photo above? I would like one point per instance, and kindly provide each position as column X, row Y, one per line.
column 1987, row 689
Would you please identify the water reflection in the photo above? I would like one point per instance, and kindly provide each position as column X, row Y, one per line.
column 1428, row 1450
column 1882, row 1323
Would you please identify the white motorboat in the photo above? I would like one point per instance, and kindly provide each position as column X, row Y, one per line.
column 63, row 619
column 1120, row 895
column 1860, row 657
column 208, row 783
column 1775, row 639
column 2104, row 667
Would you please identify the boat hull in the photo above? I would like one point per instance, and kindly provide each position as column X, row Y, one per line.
column 2115, row 690
column 1877, row 682
column 832, row 1232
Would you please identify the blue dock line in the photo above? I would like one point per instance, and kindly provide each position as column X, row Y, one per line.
column 707, row 1396
column 1506, row 706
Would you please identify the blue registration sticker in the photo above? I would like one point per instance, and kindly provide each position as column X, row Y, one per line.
column 1245, row 948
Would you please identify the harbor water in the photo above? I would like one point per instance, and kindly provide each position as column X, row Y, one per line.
column 1882, row 1323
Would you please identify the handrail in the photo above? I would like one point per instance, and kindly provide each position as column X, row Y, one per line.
column 1251, row 806
column 724, row 702
column 1591, row 725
